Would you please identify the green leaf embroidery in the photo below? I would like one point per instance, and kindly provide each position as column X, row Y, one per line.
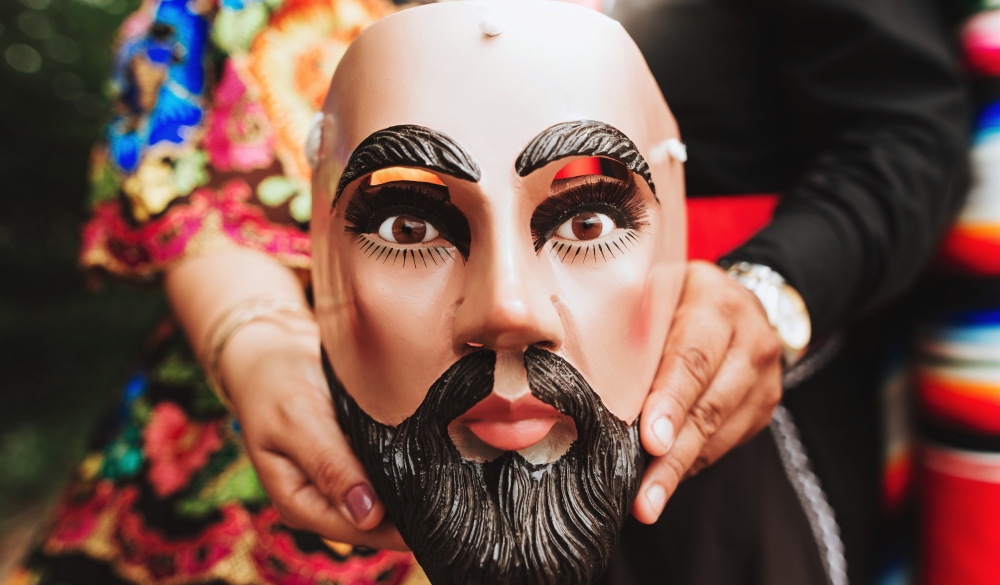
column 301, row 207
column 189, row 172
column 104, row 181
column 273, row 191
column 234, row 30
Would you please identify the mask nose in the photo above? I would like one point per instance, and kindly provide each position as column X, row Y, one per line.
column 506, row 305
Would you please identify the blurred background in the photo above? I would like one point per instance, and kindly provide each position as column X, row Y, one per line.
column 64, row 351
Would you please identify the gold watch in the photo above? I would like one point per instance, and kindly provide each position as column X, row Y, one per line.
column 785, row 309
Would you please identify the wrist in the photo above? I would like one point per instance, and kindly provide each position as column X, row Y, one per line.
column 272, row 355
column 250, row 331
column 785, row 310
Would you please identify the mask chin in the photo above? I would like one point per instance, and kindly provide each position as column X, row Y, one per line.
column 505, row 519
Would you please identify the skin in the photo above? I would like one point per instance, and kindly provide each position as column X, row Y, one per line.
column 717, row 380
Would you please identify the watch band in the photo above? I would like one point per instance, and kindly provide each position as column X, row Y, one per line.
column 785, row 310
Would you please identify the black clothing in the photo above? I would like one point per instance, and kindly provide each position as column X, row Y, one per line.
column 852, row 109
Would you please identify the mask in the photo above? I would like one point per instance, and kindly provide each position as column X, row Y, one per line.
column 498, row 230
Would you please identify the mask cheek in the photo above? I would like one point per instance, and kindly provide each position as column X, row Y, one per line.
column 395, row 336
column 610, row 337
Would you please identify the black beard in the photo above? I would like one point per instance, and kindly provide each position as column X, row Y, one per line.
column 506, row 521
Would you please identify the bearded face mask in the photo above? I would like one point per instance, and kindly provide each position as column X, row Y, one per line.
column 498, row 230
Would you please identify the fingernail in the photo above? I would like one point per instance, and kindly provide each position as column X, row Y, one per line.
column 664, row 432
column 656, row 498
column 360, row 501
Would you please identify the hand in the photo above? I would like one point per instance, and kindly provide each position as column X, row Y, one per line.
column 272, row 372
column 717, row 385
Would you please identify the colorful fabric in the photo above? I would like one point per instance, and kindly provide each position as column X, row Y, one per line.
column 168, row 496
column 212, row 106
column 960, row 512
column 213, row 102
column 958, row 394
column 972, row 246
column 954, row 456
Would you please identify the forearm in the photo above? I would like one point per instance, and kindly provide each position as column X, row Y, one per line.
column 859, row 228
column 878, row 103
column 202, row 289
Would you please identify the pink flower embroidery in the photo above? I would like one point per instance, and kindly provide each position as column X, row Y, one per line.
column 239, row 135
column 177, row 447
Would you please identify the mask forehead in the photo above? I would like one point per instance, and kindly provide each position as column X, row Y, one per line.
column 429, row 85
column 551, row 63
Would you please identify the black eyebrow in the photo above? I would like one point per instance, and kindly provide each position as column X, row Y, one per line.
column 409, row 146
column 582, row 138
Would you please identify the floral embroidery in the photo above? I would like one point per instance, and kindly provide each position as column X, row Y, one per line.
column 156, row 180
column 78, row 516
column 279, row 560
column 210, row 220
column 164, row 558
column 123, row 456
column 291, row 63
column 239, row 135
column 239, row 21
column 177, row 447
column 237, row 483
column 159, row 77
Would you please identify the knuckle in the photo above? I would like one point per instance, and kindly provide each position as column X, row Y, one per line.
column 328, row 474
column 700, row 463
column 707, row 417
column 732, row 301
column 696, row 364
column 674, row 469
column 665, row 400
column 288, row 518
column 772, row 396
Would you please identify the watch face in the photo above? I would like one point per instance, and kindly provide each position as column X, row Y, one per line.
column 793, row 320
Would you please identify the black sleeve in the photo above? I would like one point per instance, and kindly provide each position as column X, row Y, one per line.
column 879, row 106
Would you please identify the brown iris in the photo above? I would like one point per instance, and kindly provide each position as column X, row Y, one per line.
column 407, row 229
column 587, row 226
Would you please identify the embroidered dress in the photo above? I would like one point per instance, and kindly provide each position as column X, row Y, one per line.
column 203, row 152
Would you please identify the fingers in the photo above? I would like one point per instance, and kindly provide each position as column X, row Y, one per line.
column 304, row 430
column 717, row 385
column 696, row 345
column 303, row 507
column 707, row 416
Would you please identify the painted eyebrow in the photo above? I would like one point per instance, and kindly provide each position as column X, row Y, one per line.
column 409, row 146
column 582, row 138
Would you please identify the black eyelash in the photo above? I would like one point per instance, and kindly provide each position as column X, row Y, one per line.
column 570, row 252
column 373, row 248
column 621, row 201
column 369, row 207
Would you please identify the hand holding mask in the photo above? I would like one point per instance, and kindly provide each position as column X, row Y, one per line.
column 499, row 238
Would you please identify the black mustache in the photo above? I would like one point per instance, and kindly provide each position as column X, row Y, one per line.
column 505, row 521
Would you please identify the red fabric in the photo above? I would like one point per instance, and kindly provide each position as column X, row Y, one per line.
column 960, row 513
column 968, row 404
column 971, row 252
column 717, row 225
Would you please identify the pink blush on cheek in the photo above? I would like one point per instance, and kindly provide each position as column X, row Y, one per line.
column 641, row 320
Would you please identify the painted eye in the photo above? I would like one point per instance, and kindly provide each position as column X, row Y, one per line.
column 585, row 226
column 406, row 229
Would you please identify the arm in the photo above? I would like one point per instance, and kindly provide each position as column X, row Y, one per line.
column 877, row 98
column 878, row 102
column 271, row 371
